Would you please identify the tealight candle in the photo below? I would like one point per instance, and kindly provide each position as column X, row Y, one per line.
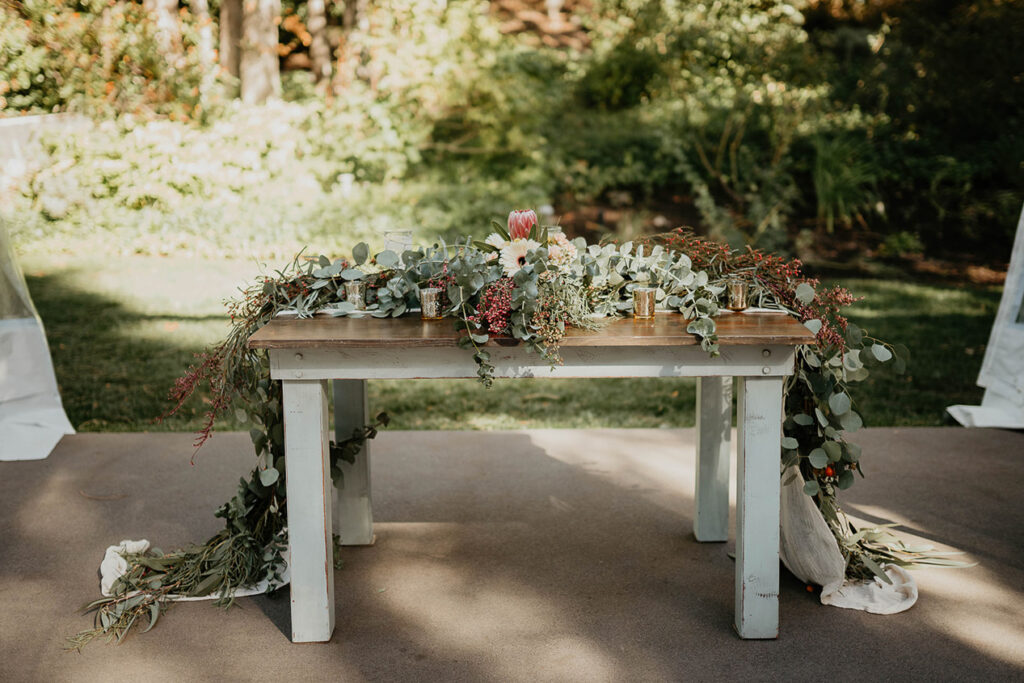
column 430, row 303
column 355, row 292
column 643, row 302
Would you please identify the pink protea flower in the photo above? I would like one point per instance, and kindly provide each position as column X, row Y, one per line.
column 520, row 222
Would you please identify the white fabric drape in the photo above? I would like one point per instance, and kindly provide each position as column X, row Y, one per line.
column 809, row 550
column 1002, row 371
column 32, row 418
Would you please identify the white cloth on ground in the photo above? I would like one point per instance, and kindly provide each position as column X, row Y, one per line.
column 810, row 551
column 876, row 596
column 32, row 419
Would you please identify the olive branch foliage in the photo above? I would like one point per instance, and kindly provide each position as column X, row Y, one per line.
column 690, row 276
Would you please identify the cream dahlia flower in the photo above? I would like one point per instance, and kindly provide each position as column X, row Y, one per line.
column 513, row 255
column 495, row 240
column 560, row 250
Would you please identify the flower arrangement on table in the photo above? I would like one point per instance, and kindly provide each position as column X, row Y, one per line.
column 528, row 282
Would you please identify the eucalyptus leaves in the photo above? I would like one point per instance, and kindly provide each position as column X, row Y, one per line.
column 588, row 281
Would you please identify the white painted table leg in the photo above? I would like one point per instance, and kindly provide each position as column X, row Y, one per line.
column 353, row 511
column 759, row 418
column 308, row 480
column 714, row 428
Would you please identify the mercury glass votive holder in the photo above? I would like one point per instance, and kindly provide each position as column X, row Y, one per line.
column 356, row 293
column 737, row 290
column 430, row 303
column 643, row 302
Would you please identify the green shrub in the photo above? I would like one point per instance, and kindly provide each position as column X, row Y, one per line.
column 945, row 79
column 900, row 244
column 733, row 110
column 96, row 57
column 845, row 179
column 621, row 79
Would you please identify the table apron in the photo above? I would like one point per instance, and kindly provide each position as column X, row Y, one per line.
column 578, row 362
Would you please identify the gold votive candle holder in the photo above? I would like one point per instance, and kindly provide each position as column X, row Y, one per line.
column 643, row 302
column 737, row 291
column 355, row 292
column 430, row 303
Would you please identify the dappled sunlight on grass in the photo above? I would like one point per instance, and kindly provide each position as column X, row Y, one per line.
column 167, row 286
column 535, row 403
column 121, row 333
column 946, row 329
column 894, row 299
column 489, row 422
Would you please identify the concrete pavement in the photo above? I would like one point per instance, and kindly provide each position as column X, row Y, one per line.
column 530, row 555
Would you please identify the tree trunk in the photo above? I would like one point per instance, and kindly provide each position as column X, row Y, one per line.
column 348, row 17
column 207, row 56
column 344, row 74
column 319, row 49
column 260, row 67
column 165, row 17
column 231, row 36
column 201, row 9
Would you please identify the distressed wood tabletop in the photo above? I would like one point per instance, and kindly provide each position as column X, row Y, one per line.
column 409, row 331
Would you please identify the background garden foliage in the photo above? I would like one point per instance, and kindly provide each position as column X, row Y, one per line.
column 95, row 56
column 897, row 123
column 821, row 129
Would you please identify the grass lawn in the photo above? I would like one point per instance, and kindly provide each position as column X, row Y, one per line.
column 946, row 329
column 121, row 329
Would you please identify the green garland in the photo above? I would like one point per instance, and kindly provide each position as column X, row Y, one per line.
column 527, row 284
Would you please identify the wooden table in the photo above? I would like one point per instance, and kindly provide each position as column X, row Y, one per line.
column 756, row 348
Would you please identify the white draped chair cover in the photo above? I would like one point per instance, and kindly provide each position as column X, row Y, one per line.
column 1002, row 371
column 32, row 419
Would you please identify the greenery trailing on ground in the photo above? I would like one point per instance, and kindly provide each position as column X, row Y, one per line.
column 249, row 548
column 246, row 552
